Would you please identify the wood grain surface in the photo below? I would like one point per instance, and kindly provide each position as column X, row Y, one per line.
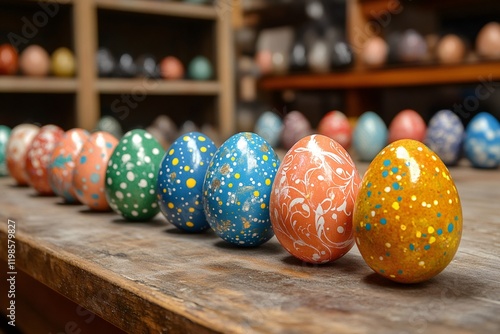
column 152, row 278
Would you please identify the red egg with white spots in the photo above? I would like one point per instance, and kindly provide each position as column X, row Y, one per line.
column 62, row 163
column 17, row 149
column 38, row 158
column 408, row 124
column 312, row 200
column 336, row 126
column 407, row 217
column 90, row 170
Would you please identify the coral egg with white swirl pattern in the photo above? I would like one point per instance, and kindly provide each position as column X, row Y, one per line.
column 313, row 198
column 180, row 181
column 17, row 148
column 237, row 188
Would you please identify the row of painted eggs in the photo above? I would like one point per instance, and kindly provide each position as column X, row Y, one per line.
column 404, row 215
column 445, row 133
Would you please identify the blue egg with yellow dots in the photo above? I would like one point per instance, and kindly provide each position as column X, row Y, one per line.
column 237, row 189
column 180, row 181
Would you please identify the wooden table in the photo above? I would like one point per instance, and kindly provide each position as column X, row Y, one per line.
column 151, row 278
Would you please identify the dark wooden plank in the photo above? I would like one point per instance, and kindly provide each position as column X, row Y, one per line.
column 148, row 277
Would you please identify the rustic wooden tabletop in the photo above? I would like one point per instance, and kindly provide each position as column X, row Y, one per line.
column 149, row 277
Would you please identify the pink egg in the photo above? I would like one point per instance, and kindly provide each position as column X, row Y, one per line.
column 35, row 61
column 295, row 127
column 408, row 124
column 90, row 170
column 62, row 163
column 375, row 52
column 488, row 41
column 38, row 158
column 17, row 149
column 264, row 60
column 336, row 126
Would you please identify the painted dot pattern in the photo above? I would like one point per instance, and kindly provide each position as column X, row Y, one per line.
column 445, row 136
column 131, row 176
column 17, row 148
column 237, row 189
column 180, row 181
column 90, row 170
column 408, row 215
column 482, row 141
column 38, row 158
column 62, row 164
column 313, row 198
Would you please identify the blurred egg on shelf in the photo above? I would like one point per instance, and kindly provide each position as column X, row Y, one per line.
column 9, row 59
column 375, row 51
column 341, row 54
column 280, row 62
column 445, row 135
column 4, row 138
column 34, row 61
column 106, row 62
column 407, row 217
column 408, row 124
column 295, row 127
column 237, row 188
column 180, row 181
column 63, row 62
column 264, row 60
column 38, row 158
column 147, row 66
column 200, row 68
column 412, row 47
column 312, row 200
column 126, row 66
column 171, row 68
column 318, row 57
column 450, row 49
column 188, row 126
column 166, row 126
column 488, row 41
column 370, row 136
column 482, row 141
column 336, row 126
column 269, row 126
column 109, row 124
column 62, row 163
column 89, row 173
column 19, row 142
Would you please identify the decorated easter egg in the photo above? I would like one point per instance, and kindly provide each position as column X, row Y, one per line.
column 482, row 141
column 180, row 181
column 132, row 174
column 20, row 139
column 62, row 163
column 4, row 138
column 111, row 125
column 89, row 173
column 407, row 124
column 370, row 136
column 445, row 135
column 407, row 217
column 312, row 200
column 336, row 126
column 237, row 188
column 269, row 126
column 38, row 158
column 295, row 127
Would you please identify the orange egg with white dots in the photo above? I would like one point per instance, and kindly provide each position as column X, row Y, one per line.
column 407, row 216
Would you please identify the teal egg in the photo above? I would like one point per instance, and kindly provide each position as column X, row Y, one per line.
column 4, row 137
column 200, row 68
column 370, row 136
column 131, row 176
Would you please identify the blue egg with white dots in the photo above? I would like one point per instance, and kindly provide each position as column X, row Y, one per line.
column 180, row 181
column 482, row 141
column 237, row 189
column 445, row 135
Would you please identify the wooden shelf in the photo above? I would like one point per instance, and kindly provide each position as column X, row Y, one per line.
column 157, row 87
column 17, row 84
column 150, row 277
column 178, row 9
column 397, row 77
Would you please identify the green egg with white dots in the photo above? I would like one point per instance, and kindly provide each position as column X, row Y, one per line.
column 407, row 216
column 131, row 176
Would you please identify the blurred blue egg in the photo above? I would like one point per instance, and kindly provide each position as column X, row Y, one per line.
column 482, row 141
column 237, row 189
column 269, row 126
column 370, row 136
column 445, row 134
column 180, row 181
column 200, row 68
column 4, row 138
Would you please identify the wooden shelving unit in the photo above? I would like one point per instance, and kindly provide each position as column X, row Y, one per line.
column 88, row 87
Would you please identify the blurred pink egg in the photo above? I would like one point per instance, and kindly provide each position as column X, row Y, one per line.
column 17, row 149
column 336, row 126
column 488, row 41
column 35, row 61
column 408, row 124
column 264, row 60
column 375, row 52
column 295, row 127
